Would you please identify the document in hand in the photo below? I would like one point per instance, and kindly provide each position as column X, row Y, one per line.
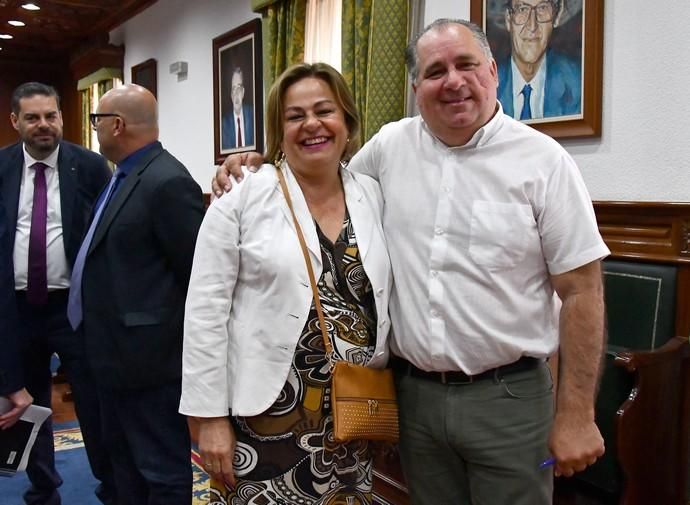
column 16, row 442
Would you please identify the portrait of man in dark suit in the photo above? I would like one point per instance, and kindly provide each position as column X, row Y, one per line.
column 238, row 124
column 538, row 49
column 236, row 85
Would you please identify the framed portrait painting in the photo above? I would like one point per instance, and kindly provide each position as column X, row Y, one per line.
column 146, row 74
column 238, row 91
column 549, row 57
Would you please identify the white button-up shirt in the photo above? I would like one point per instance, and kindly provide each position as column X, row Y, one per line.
column 474, row 234
column 58, row 268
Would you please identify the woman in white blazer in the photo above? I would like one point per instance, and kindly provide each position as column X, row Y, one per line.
column 252, row 344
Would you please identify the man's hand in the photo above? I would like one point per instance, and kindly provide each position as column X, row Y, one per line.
column 21, row 400
column 217, row 447
column 575, row 443
column 232, row 165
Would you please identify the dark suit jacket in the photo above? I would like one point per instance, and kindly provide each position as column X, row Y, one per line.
column 562, row 87
column 82, row 175
column 229, row 128
column 137, row 272
column 10, row 362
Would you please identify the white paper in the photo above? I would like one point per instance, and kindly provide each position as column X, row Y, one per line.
column 34, row 414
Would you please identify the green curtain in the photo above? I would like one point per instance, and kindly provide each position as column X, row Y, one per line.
column 85, row 99
column 283, row 36
column 373, row 59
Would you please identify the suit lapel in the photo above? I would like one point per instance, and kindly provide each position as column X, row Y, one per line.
column 304, row 217
column 361, row 214
column 67, row 177
column 116, row 203
column 11, row 184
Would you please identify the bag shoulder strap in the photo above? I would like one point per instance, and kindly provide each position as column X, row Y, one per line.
column 310, row 270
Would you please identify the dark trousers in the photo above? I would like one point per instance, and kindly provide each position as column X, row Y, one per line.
column 149, row 445
column 46, row 330
column 479, row 443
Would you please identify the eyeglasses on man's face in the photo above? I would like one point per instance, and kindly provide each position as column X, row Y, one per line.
column 95, row 117
column 521, row 12
column 237, row 88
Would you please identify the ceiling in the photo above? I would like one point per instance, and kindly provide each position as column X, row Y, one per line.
column 61, row 27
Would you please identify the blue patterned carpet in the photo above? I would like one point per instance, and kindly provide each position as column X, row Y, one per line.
column 79, row 485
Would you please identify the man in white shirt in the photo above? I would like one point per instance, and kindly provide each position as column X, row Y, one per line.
column 495, row 254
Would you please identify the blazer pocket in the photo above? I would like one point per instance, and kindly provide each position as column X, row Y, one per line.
column 148, row 318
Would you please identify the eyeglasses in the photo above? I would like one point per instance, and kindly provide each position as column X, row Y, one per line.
column 521, row 12
column 95, row 117
column 237, row 88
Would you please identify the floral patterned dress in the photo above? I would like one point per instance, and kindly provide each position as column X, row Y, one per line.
column 287, row 455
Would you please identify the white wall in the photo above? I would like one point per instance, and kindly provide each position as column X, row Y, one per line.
column 180, row 30
column 643, row 153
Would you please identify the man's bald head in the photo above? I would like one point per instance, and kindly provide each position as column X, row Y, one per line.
column 133, row 125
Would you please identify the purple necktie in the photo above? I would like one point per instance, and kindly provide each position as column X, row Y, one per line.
column 37, row 289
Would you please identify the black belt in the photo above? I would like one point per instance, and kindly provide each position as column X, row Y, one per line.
column 407, row 368
column 54, row 295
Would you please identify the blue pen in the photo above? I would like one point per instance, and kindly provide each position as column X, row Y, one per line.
column 547, row 462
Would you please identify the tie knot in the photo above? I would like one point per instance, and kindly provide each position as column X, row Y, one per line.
column 39, row 166
column 526, row 90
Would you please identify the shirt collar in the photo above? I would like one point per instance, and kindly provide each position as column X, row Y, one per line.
column 519, row 82
column 481, row 136
column 127, row 164
column 51, row 161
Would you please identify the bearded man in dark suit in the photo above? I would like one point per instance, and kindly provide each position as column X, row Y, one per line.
column 48, row 187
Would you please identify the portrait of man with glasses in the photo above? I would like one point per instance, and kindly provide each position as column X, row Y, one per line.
column 540, row 60
column 238, row 123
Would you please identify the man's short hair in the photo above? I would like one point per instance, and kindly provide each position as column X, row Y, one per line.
column 29, row 89
column 412, row 58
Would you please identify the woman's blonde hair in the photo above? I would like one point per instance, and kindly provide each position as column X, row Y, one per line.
column 275, row 105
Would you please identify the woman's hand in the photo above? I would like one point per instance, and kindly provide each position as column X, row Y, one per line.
column 217, row 447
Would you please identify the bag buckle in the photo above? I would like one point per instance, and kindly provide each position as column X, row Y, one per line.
column 373, row 407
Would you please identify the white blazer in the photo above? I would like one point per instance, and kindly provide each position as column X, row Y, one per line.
column 249, row 294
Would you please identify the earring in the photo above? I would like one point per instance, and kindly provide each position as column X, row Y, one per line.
column 279, row 159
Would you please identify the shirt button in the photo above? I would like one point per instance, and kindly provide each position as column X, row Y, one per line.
column 434, row 273
column 379, row 292
column 439, row 231
column 434, row 313
column 382, row 323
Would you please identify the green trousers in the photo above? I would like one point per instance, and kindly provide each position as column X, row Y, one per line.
column 478, row 443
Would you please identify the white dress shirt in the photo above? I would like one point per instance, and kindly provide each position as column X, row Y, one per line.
column 474, row 233
column 538, row 84
column 58, row 268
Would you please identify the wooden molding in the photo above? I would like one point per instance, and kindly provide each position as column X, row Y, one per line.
column 646, row 231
